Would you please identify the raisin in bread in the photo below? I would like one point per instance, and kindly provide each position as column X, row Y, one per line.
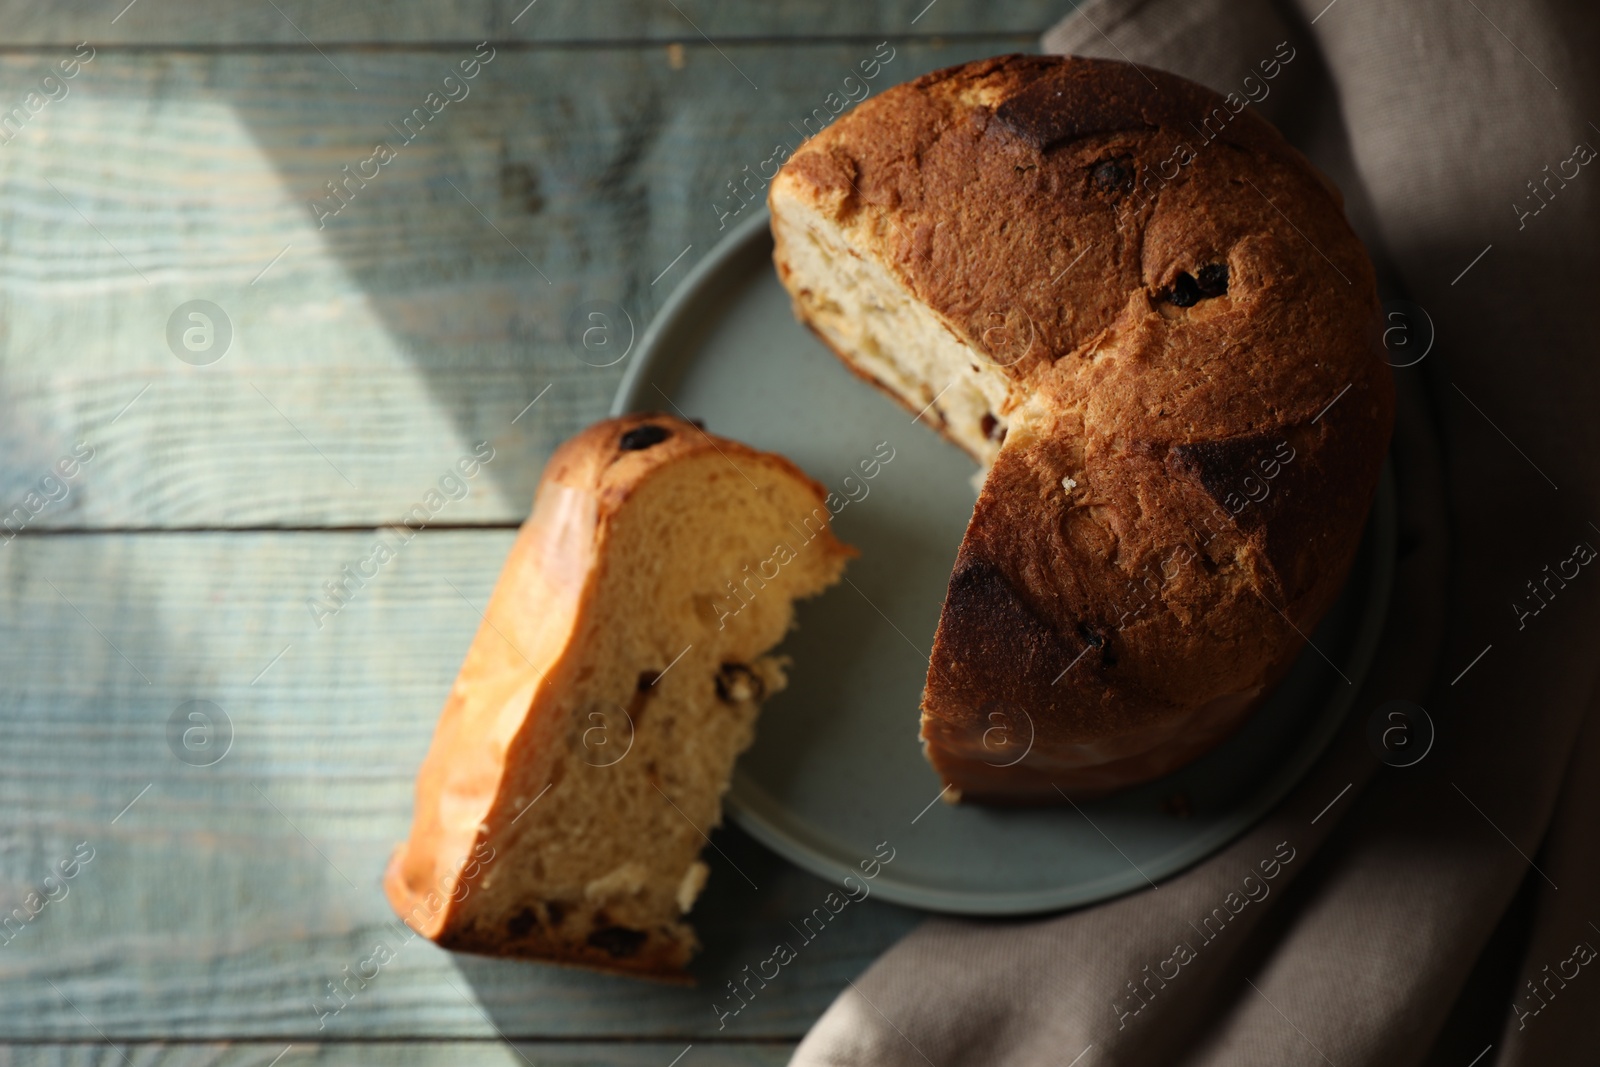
column 1144, row 312
column 582, row 755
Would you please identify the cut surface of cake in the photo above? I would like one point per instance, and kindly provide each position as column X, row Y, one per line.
column 582, row 754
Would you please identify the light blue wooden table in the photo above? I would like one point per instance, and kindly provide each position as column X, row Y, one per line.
column 172, row 506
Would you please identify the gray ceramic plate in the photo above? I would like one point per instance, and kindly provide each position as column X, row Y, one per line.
column 836, row 767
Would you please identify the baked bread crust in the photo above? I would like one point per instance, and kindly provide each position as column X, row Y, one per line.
column 510, row 715
column 1068, row 220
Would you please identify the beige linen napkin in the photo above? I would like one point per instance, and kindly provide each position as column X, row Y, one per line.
column 1392, row 930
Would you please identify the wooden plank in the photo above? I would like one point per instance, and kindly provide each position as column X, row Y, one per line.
column 293, row 22
column 368, row 355
column 397, row 1054
column 220, row 899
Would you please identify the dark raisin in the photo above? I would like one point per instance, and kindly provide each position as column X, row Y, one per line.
column 1177, row 805
column 641, row 437
column 1188, row 290
column 554, row 912
column 641, row 697
column 737, row 684
column 1185, row 291
column 988, row 424
column 1099, row 641
column 618, row 942
column 1213, row 279
column 1112, row 175
column 520, row 923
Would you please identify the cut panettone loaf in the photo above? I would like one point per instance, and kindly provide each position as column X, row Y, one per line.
column 583, row 752
column 1145, row 312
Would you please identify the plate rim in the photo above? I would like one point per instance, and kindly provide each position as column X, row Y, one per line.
column 678, row 302
column 654, row 354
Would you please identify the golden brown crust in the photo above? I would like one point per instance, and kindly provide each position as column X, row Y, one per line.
column 1222, row 446
column 596, row 460
column 505, row 709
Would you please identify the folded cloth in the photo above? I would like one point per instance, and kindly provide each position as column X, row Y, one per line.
column 1431, row 913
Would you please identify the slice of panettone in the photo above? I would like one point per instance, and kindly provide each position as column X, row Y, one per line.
column 581, row 756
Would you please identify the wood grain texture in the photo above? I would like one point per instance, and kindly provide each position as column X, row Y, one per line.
column 368, row 357
column 369, row 354
column 191, row 22
column 395, row 1054
column 220, row 903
